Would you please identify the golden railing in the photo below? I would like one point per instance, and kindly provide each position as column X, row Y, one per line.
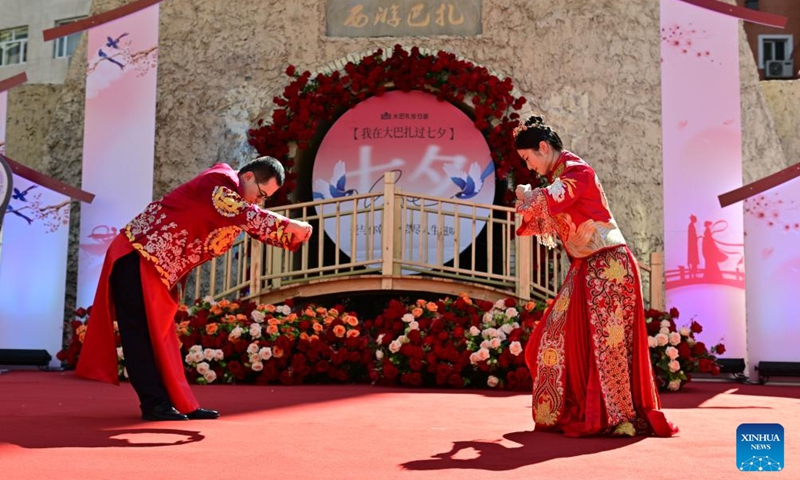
column 452, row 244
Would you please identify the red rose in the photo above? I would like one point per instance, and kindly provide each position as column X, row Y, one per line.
column 414, row 336
column 81, row 312
column 653, row 328
column 510, row 302
column 415, row 379
column 699, row 349
column 673, row 312
column 415, row 364
column 458, row 332
column 286, row 377
column 290, row 70
column 283, row 343
column 322, row 366
column 719, row 349
column 390, row 371
column 696, row 327
column 455, row 380
column 684, row 350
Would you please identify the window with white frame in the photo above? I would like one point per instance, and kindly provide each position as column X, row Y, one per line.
column 774, row 47
column 13, row 46
column 64, row 47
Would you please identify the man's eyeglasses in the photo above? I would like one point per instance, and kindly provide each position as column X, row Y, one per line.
column 261, row 194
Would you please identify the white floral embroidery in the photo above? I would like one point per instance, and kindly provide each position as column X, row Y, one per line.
column 556, row 190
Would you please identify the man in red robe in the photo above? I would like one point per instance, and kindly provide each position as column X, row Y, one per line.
column 195, row 222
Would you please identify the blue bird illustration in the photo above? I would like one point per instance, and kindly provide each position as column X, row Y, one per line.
column 470, row 184
column 112, row 43
column 10, row 209
column 104, row 56
column 336, row 188
column 21, row 195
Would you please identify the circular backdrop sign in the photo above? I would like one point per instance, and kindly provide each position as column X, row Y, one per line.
column 433, row 148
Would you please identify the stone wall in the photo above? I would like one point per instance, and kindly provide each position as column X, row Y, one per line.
column 783, row 98
column 30, row 116
column 591, row 67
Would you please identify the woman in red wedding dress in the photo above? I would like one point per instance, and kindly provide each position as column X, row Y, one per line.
column 588, row 357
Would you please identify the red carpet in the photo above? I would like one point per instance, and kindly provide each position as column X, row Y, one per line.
column 56, row 426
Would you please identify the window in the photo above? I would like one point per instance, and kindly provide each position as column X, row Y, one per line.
column 774, row 47
column 13, row 46
column 64, row 47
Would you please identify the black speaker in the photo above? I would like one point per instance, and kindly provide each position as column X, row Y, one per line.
column 24, row 357
column 778, row 369
column 731, row 365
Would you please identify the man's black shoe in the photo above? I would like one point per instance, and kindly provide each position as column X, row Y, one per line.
column 163, row 412
column 203, row 414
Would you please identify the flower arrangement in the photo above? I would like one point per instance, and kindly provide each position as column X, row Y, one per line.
column 675, row 353
column 451, row 343
column 310, row 103
column 454, row 342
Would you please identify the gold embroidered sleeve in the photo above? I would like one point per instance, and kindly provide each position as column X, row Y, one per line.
column 266, row 226
column 536, row 219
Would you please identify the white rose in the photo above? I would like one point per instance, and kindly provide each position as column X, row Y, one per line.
column 501, row 335
column 125, row 372
column 507, row 328
column 252, row 348
column 379, row 354
column 483, row 354
column 408, row 318
column 495, row 343
column 674, row 385
column 490, row 333
column 394, row 347
column 413, row 325
column 255, row 330
column 664, row 330
column 685, row 331
column 403, row 339
column 473, row 358
column 515, row 348
column 664, row 323
column 196, row 348
column 652, row 342
column 500, row 304
column 488, row 318
column 672, row 353
column 202, row 368
column 257, row 366
column 188, row 358
column 662, row 339
column 674, row 366
column 235, row 333
column 258, row 316
column 674, row 338
column 197, row 357
column 380, row 339
column 120, row 355
column 208, row 354
column 691, row 341
column 209, row 299
column 254, row 358
column 286, row 310
column 219, row 355
column 486, row 344
column 210, row 376
column 512, row 312
column 474, row 331
column 265, row 353
column 492, row 381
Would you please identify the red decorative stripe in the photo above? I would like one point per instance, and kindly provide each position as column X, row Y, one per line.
column 12, row 82
column 759, row 186
column 746, row 14
column 49, row 182
column 99, row 19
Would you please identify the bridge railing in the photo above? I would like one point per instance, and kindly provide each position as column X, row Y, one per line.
column 391, row 235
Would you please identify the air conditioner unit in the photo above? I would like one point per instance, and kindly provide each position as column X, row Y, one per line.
column 779, row 69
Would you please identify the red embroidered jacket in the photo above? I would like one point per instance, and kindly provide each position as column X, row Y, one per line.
column 573, row 206
column 200, row 220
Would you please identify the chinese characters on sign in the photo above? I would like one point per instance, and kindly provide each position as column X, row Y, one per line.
column 403, row 18
column 377, row 133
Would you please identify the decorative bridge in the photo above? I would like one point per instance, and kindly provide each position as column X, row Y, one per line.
column 437, row 245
